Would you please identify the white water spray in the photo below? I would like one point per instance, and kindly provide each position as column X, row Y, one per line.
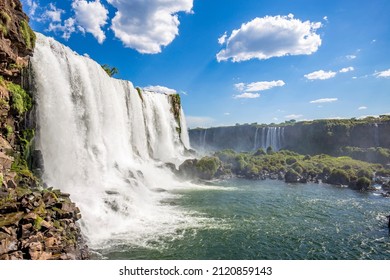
column 105, row 144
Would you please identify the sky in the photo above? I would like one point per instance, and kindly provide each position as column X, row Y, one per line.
column 235, row 61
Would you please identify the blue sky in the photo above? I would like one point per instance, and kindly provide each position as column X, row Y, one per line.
column 237, row 61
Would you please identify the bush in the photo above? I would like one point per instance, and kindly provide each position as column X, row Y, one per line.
column 20, row 100
column 363, row 183
column 259, row 152
column 28, row 35
column 207, row 167
column 291, row 160
column 338, row 177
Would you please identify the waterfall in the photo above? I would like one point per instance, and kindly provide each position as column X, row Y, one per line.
column 272, row 137
column 376, row 135
column 105, row 144
column 255, row 139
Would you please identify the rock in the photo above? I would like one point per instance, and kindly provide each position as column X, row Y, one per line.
column 50, row 199
column 10, row 219
column 8, row 244
column 292, row 177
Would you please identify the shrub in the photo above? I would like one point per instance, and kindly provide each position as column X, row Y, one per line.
column 363, row 183
column 20, row 100
column 338, row 177
column 291, row 160
column 208, row 166
column 259, row 152
column 28, row 35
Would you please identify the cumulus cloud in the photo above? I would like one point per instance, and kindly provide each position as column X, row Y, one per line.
column 320, row 75
column 160, row 89
column 293, row 116
column 32, row 6
column 222, row 39
column 383, row 74
column 347, row 69
column 324, row 100
column 351, row 56
column 147, row 26
column 362, row 108
column 91, row 17
column 67, row 28
column 248, row 95
column 271, row 36
column 198, row 121
column 53, row 14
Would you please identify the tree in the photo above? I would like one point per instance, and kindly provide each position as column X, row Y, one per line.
column 111, row 71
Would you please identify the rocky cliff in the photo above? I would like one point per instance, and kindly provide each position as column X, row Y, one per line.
column 36, row 222
column 366, row 139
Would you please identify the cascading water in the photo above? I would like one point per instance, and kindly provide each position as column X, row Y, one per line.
column 270, row 137
column 105, row 144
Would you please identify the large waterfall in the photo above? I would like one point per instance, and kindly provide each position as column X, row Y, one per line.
column 105, row 144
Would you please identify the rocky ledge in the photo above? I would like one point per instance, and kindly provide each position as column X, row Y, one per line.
column 39, row 225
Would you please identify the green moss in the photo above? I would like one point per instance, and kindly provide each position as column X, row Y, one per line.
column 8, row 130
column 5, row 20
column 1, row 179
column 28, row 35
column 20, row 100
column 37, row 223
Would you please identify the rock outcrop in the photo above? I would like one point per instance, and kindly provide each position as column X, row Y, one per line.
column 36, row 222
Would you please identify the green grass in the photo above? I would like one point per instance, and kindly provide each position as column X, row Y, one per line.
column 20, row 100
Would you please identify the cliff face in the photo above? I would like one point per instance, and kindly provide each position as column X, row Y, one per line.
column 315, row 137
column 36, row 222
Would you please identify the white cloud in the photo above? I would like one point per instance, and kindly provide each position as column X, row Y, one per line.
column 325, row 18
column 147, row 26
column 347, row 69
column 91, row 17
column 383, row 74
column 226, row 114
column 324, row 100
column 66, row 29
column 293, row 116
column 351, row 56
column 362, row 108
column 222, row 39
column 260, row 86
column 248, row 95
column 32, row 7
column 197, row 121
column 160, row 89
column 271, row 36
column 320, row 75
column 53, row 14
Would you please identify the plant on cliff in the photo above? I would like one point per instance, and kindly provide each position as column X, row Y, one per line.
column 111, row 71
column 20, row 100
column 5, row 20
column 28, row 35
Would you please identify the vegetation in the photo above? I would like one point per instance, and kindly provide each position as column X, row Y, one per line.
column 20, row 100
column 111, row 71
column 139, row 90
column 292, row 167
column 5, row 20
column 28, row 35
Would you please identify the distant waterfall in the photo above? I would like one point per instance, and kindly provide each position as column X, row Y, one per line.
column 270, row 137
column 105, row 144
column 376, row 135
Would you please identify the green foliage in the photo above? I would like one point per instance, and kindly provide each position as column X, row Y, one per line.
column 363, row 183
column 37, row 223
column 259, row 152
column 28, row 35
column 1, row 179
column 208, row 166
column 21, row 168
column 111, row 71
column 20, row 100
column 374, row 154
column 270, row 151
column 5, row 20
column 9, row 130
column 339, row 177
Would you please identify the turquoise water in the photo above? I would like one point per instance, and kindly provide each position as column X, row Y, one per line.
column 272, row 220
